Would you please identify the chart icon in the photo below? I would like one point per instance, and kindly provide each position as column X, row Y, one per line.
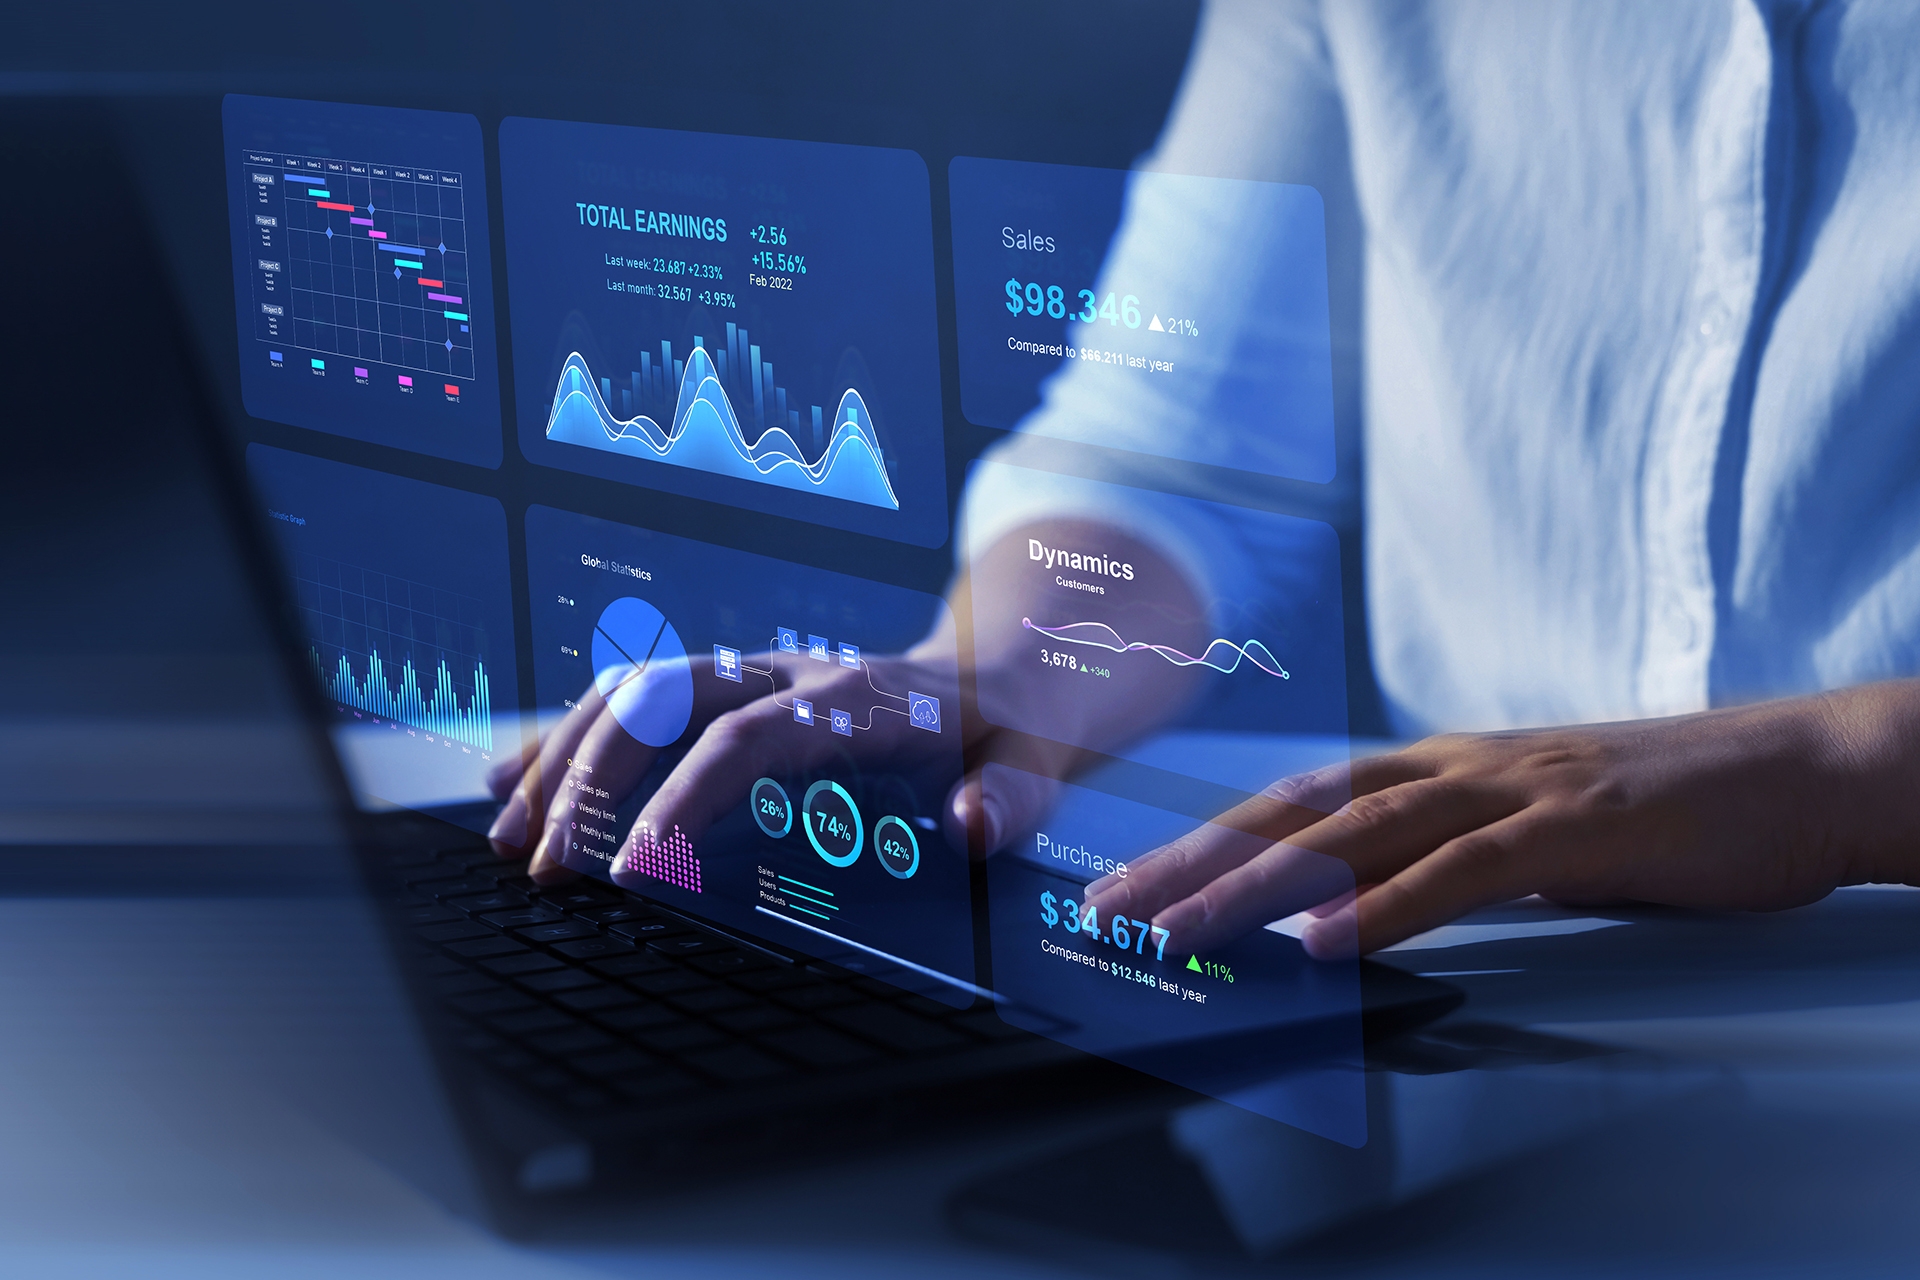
column 640, row 668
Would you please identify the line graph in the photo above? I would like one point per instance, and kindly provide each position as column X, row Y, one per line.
column 1099, row 635
column 705, row 432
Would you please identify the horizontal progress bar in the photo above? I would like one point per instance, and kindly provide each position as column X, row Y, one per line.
column 316, row 191
column 437, row 284
column 402, row 248
column 455, row 315
column 334, row 204
column 408, row 262
column 361, row 222
column 443, row 297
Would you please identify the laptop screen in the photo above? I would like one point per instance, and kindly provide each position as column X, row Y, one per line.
column 874, row 548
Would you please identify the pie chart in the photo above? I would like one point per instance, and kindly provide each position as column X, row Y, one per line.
column 641, row 669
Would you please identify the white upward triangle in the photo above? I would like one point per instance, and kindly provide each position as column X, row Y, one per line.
column 1156, row 326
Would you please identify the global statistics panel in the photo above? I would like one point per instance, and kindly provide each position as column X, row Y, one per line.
column 828, row 838
column 361, row 274
column 746, row 320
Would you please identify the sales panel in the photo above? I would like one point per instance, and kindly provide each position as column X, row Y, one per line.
column 1183, row 317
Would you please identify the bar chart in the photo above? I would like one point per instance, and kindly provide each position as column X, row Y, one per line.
column 362, row 260
column 404, row 651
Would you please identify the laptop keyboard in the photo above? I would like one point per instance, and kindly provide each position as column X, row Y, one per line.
column 591, row 997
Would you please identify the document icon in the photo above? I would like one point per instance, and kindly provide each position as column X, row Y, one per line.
column 726, row 663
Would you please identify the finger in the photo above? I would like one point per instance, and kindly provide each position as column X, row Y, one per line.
column 1281, row 880
column 606, row 765
column 1380, row 833
column 1181, row 869
column 593, row 748
column 736, row 749
column 998, row 805
column 513, row 827
column 1484, row 866
column 505, row 774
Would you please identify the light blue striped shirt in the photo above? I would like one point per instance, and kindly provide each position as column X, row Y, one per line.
column 1634, row 290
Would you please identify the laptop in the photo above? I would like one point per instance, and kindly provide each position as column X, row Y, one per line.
column 594, row 433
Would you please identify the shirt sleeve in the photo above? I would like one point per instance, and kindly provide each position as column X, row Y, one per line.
column 1259, row 101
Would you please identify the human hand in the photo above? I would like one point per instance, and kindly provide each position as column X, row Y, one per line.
column 1754, row 808
column 745, row 731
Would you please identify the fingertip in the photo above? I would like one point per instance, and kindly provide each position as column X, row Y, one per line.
column 509, row 829
column 1333, row 937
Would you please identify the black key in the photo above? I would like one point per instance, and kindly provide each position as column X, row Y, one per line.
column 620, row 966
column 612, row 1062
column 582, row 897
column 519, row 884
column 559, row 980
column 560, row 931
column 519, row 917
column 638, row 1017
column 479, row 903
column 709, row 999
column 987, row 1023
column 760, row 1017
column 594, row 948
column 532, row 1022
column 818, row 996
column 670, row 980
column 484, row 947
column 499, row 1000
column 571, row 1041
column 617, row 915
column 776, row 978
column 819, row 1047
column 678, row 1039
column 444, row 889
column 594, row 999
column 484, row 860
column 691, row 945
column 527, row 962
column 428, row 913
column 646, row 930
column 894, row 1027
column 458, row 931
column 728, row 963
column 737, row 1062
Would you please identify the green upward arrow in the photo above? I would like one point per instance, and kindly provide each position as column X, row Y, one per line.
column 1193, row 963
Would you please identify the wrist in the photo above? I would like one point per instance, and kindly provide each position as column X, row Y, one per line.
column 1869, row 756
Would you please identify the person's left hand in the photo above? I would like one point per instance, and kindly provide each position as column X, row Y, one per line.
column 1755, row 808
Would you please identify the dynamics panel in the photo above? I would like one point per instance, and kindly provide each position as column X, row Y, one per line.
column 745, row 320
column 361, row 274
